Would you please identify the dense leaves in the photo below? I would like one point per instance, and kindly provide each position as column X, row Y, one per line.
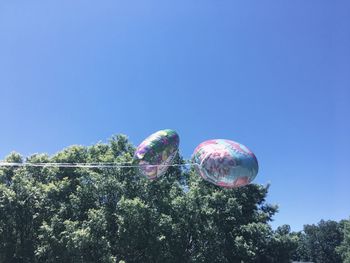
column 344, row 248
column 320, row 243
column 56, row 214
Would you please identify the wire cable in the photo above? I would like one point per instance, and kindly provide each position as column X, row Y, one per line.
column 92, row 165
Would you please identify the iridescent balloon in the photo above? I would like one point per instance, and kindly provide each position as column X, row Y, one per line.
column 156, row 153
column 225, row 163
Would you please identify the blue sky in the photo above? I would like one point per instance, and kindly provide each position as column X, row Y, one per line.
column 273, row 75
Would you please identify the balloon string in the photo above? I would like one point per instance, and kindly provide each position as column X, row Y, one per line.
column 92, row 165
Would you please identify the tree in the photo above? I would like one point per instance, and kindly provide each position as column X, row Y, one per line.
column 318, row 242
column 344, row 248
column 281, row 246
column 52, row 214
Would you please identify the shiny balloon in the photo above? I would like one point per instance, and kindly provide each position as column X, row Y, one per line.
column 225, row 163
column 156, row 153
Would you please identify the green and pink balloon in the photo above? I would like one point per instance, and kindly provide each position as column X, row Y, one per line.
column 156, row 153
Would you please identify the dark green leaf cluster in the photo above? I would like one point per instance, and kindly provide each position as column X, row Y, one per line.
column 60, row 214
column 344, row 248
column 320, row 243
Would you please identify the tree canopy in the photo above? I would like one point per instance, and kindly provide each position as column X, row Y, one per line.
column 324, row 242
column 344, row 248
column 60, row 214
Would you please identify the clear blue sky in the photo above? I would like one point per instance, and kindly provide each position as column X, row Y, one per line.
column 273, row 75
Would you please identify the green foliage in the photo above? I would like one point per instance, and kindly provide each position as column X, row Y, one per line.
column 281, row 246
column 56, row 214
column 318, row 243
column 344, row 248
